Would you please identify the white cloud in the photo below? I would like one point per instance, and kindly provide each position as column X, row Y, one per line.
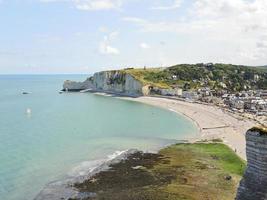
column 104, row 48
column 98, row 4
column 134, row 20
column 51, row 1
column 151, row 26
column 176, row 4
column 113, row 35
column 103, row 29
column 262, row 44
column 227, row 24
column 105, row 45
column 245, row 15
column 238, row 22
column 144, row 45
column 91, row 5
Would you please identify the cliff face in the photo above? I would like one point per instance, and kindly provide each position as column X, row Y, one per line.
column 77, row 86
column 253, row 186
column 108, row 81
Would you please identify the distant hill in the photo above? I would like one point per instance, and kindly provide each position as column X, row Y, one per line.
column 263, row 67
column 193, row 76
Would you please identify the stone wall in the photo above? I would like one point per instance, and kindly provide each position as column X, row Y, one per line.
column 253, row 186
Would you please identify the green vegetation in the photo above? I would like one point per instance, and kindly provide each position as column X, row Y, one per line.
column 216, row 76
column 151, row 76
column 180, row 172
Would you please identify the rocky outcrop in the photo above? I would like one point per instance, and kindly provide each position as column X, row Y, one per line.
column 77, row 86
column 253, row 186
column 109, row 81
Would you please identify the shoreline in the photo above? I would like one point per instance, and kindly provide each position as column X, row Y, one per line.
column 213, row 122
column 75, row 187
column 180, row 170
column 63, row 188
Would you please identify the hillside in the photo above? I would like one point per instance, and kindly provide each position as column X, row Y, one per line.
column 215, row 76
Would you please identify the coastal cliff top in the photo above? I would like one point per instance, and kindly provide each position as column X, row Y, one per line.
column 261, row 130
column 194, row 76
column 146, row 76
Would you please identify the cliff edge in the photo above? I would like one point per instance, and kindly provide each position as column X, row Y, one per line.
column 116, row 81
column 253, row 186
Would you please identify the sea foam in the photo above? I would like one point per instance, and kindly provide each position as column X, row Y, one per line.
column 63, row 189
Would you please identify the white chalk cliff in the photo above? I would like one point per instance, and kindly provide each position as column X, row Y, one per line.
column 108, row 81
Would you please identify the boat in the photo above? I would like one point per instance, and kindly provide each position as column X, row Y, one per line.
column 25, row 93
column 29, row 111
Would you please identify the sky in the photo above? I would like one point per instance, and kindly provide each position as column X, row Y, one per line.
column 85, row 36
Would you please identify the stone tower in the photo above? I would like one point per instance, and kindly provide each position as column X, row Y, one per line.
column 253, row 186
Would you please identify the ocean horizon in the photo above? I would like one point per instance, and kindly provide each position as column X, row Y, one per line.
column 46, row 136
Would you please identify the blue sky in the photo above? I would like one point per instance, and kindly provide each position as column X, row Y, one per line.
column 84, row 36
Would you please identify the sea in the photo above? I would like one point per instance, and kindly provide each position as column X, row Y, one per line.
column 46, row 135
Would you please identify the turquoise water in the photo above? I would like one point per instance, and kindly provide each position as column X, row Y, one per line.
column 64, row 130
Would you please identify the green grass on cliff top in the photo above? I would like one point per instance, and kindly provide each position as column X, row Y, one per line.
column 198, row 171
column 189, row 76
column 205, row 167
column 141, row 74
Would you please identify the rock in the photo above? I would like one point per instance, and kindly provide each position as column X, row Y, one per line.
column 85, row 195
column 137, row 167
column 73, row 86
column 253, row 186
column 228, row 178
column 215, row 157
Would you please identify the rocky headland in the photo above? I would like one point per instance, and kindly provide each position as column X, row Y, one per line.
column 74, row 86
column 116, row 81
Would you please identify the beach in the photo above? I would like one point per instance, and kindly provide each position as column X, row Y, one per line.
column 212, row 121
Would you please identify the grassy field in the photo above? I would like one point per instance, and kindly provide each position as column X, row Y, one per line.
column 141, row 75
column 201, row 171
